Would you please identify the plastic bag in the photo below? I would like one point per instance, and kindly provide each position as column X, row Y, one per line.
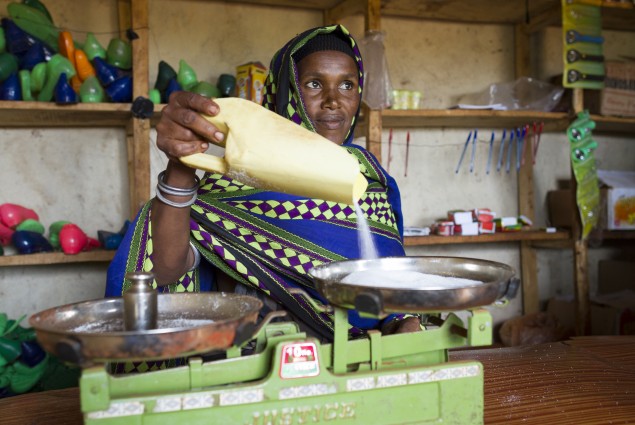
column 377, row 86
column 524, row 93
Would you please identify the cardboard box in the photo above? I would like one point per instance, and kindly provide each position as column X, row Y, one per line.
column 613, row 314
column 615, row 276
column 250, row 81
column 613, row 307
column 460, row 216
column 618, row 199
column 560, row 208
column 466, row 229
column 618, row 95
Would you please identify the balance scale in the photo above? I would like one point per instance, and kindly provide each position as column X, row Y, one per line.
column 288, row 378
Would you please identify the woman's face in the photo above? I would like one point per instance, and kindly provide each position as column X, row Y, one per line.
column 329, row 85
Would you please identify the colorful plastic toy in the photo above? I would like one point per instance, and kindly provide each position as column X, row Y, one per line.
column 34, row 22
column 186, row 76
column 36, row 54
column 17, row 40
column 64, row 93
column 165, row 74
column 83, row 66
column 155, row 96
column 54, row 232
column 111, row 240
column 31, row 225
column 73, row 240
column 173, row 86
column 91, row 91
column 119, row 53
column 36, row 4
column 8, row 65
column 120, row 90
column 10, row 88
column 12, row 214
column 206, row 89
column 22, row 358
column 106, row 73
column 93, row 48
column 227, row 85
column 5, row 235
column 57, row 66
column 25, row 84
column 38, row 78
column 27, row 242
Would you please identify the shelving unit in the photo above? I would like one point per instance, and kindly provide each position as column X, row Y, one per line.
column 132, row 14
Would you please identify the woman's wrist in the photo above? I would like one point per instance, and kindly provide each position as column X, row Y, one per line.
column 180, row 175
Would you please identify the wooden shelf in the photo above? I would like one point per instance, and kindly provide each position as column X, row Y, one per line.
column 607, row 124
column 525, row 235
column 20, row 114
column 463, row 118
column 535, row 13
column 56, row 258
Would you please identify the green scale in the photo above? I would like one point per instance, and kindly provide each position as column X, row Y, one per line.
column 288, row 378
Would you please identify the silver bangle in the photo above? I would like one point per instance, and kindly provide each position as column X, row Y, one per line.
column 176, row 191
column 185, row 204
column 197, row 257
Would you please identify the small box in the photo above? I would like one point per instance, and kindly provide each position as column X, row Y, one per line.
column 487, row 227
column 618, row 95
column 466, row 229
column 444, row 228
column 250, row 81
column 483, row 215
column 460, row 216
column 618, row 195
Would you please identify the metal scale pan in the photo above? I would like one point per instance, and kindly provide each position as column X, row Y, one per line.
column 93, row 331
column 494, row 281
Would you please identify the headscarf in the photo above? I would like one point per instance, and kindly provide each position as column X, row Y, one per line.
column 268, row 241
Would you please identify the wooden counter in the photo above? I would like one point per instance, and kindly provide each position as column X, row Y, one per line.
column 587, row 380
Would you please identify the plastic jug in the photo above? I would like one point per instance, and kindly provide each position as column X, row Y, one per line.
column 267, row 151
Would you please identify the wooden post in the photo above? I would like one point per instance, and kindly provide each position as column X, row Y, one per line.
column 529, row 275
column 133, row 14
column 372, row 21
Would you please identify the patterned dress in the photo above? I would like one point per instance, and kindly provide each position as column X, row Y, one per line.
column 268, row 241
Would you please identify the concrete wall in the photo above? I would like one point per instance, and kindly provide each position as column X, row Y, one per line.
column 80, row 174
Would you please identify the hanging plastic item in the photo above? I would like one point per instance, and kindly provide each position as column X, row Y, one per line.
column 93, row 48
column 35, row 23
column 585, row 171
column 377, row 86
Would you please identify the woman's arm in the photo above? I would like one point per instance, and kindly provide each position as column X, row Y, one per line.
column 181, row 131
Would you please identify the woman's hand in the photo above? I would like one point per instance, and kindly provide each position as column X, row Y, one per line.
column 182, row 130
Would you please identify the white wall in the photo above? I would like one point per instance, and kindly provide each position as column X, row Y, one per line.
column 80, row 174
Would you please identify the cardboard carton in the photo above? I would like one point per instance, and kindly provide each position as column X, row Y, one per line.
column 618, row 95
column 613, row 307
column 250, row 81
column 619, row 198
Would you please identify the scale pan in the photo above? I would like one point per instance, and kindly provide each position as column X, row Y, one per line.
column 492, row 281
column 92, row 332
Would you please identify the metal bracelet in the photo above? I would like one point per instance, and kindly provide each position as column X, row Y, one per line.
column 166, row 201
column 197, row 257
column 176, row 191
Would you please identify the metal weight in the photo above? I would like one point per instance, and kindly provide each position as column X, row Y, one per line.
column 140, row 303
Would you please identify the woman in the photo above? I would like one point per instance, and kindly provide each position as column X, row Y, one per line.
column 222, row 235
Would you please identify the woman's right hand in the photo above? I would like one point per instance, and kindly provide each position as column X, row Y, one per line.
column 182, row 130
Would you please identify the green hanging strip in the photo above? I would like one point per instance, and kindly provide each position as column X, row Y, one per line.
column 585, row 171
